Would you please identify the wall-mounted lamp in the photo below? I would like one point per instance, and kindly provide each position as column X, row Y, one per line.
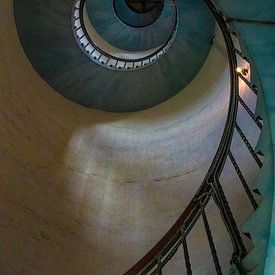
column 243, row 71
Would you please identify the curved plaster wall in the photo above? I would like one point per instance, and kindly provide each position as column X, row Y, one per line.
column 89, row 192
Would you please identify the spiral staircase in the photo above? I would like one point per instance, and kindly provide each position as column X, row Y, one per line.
column 137, row 137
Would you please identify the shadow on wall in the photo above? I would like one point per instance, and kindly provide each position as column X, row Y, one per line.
column 63, row 186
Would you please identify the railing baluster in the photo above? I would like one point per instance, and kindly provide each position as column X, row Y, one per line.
column 186, row 254
column 159, row 266
column 239, row 250
column 243, row 181
column 258, row 123
column 248, row 145
column 76, row 29
column 211, row 243
column 241, row 55
column 250, row 85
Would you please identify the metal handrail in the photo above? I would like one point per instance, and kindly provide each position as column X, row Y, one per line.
column 164, row 250
column 111, row 61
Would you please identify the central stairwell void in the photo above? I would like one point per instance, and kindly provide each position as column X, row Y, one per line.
column 141, row 137
column 144, row 6
column 86, row 24
column 141, row 13
column 103, row 53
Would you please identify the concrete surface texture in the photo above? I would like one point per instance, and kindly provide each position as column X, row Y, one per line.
column 89, row 192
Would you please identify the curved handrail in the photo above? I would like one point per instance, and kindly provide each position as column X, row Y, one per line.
column 210, row 183
column 107, row 60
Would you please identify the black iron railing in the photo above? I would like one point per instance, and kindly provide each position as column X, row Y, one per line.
column 155, row 260
column 102, row 57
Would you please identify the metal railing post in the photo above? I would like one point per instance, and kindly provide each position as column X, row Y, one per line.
column 239, row 250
